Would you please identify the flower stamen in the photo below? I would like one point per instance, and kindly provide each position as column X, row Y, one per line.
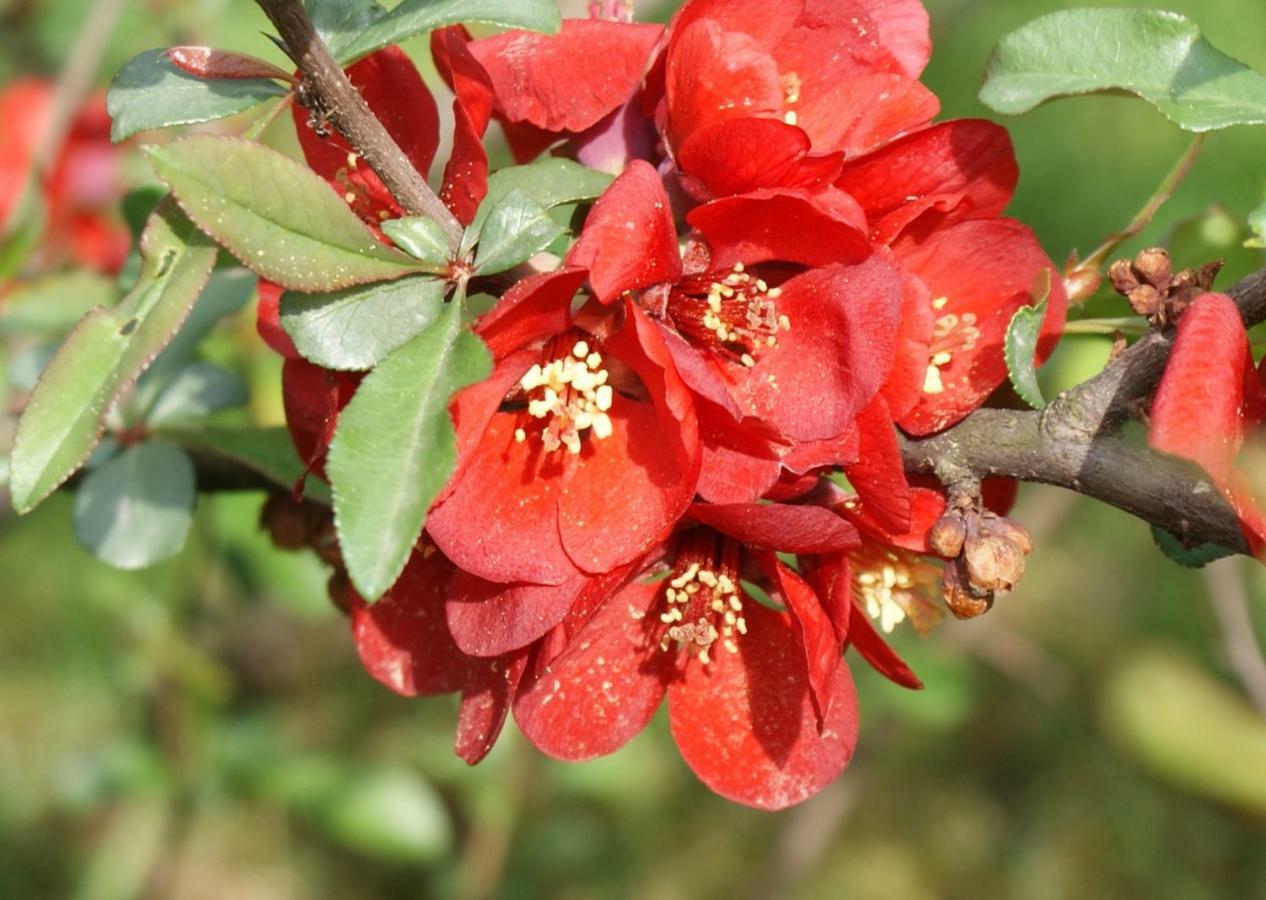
column 571, row 396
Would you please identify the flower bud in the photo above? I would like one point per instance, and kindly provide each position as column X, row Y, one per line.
column 1153, row 266
column 285, row 521
column 992, row 562
column 947, row 535
column 962, row 601
column 1081, row 285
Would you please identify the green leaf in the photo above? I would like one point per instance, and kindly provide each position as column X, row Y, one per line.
column 1160, row 56
column 194, row 392
column 22, row 231
column 278, row 217
column 337, row 20
column 550, row 182
column 1020, row 346
column 416, row 16
column 268, row 452
column 226, row 293
column 104, row 355
column 136, row 509
column 52, row 304
column 421, row 238
column 1188, row 557
column 151, row 92
column 395, row 447
column 517, row 227
column 354, row 330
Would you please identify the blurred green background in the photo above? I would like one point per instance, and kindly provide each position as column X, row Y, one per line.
column 203, row 729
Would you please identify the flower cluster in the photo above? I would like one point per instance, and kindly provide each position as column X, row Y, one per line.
column 792, row 263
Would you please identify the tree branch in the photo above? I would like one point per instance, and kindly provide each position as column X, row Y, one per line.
column 1074, row 443
column 327, row 91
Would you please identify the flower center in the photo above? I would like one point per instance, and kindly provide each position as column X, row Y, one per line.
column 705, row 602
column 894, row 584
column 568, row 397
column 731, row 312
column 953, row 334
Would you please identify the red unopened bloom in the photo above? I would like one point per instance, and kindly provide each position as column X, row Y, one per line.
column 81, row 187
column 760, row 704
column 1208, row 398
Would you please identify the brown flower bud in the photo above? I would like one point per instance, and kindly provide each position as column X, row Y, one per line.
column 992, row 562
column 962, row 601
column 286, row 522
column 947, row 535
column 1122, row 276
column 339, row 588
column 1153, row 266
column 324, row 540
column 1013, row 532
column 1145, row 300
column 1081, row 285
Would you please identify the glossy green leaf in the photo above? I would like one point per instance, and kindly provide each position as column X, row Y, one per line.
column 194, row 392
column 151, row 92
column 136, row 509
column 1188, row 557
column 52, row 304
column 355, row 329
column 104, row 355
column 550, row 182
column 277, row 216
column 416, row 16
column 517, row 227
column 337, row 20
column 1160, row 56
column 421, row 238
column 1257, row 225
column 395, row 447
column 267, row 452
column 1020, row 345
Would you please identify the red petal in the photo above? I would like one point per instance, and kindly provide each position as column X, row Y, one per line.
column 403, row 639
column 535, row 308
column 879, row 474
column 714, row 75
column 962, row 169
column 313, row 397
column 629, row 240
column 1197, row 411
column 817, row 635
column 776, row 526
column 570, row 80
column 603, row 689
column 745, row 722
column 983, row 268
column 737, row 465
column 501, row 520
column 875, row 650
column 787, row 226
column 903, row 32
column 206, row 62
column 835, row 356
column 904, row 386
column 736, row 156
column 490, row 619
column 624, row 493
column 268, row 320
column 466, row 172
column 868, row 111
column 396, row 94
column 485, row 702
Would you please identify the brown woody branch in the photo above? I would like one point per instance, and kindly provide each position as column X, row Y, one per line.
column 1075, row 443
column 326, row 91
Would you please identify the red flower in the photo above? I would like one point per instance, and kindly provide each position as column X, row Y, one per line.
column 782, row 90
column 580, row 451
column 80, row 188
column 1208, row 397
column 760, row 704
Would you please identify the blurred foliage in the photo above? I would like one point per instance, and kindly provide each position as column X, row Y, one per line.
column 203, row 729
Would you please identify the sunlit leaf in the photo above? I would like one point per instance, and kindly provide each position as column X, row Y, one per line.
column 517, row 227
column 136, row 509
column 104, row 355
column 278, row 217
column 194, row 392
column 550, row 182
column 355, row 329
column 1020, row 347
column 421, row 238
column 395, row 447
column 151, row 92
column 267, row 452
column 416, row 16
column 1160, row 56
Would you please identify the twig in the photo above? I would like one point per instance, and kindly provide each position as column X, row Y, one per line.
column 1225, row 588
column 331, row 95
column 1073, row 444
